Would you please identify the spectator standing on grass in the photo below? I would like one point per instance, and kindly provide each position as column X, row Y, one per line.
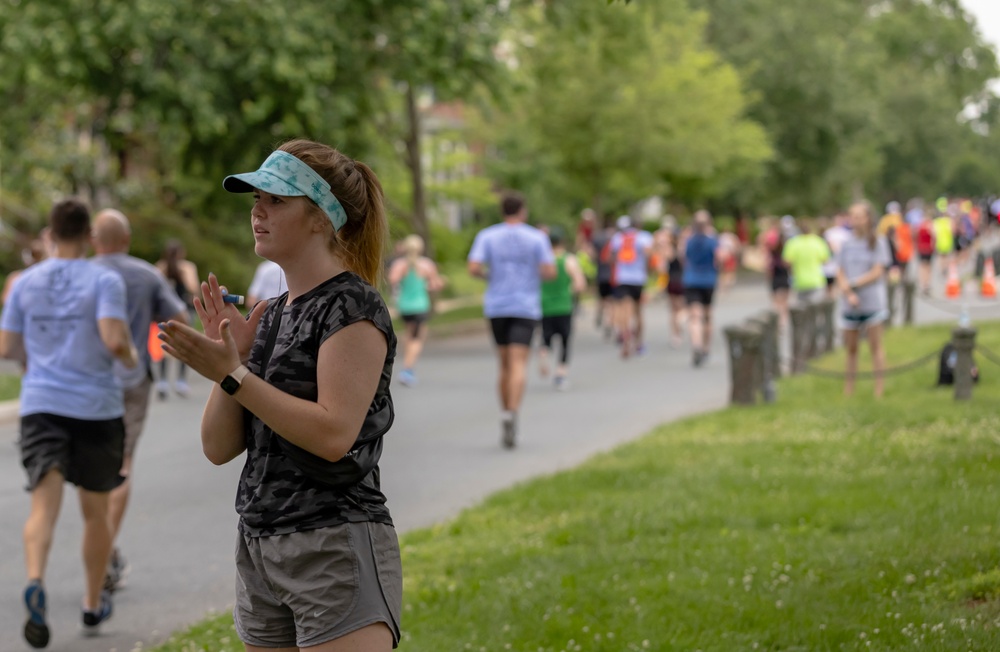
column 558, row 303
column 862, row 262
column 66, row 320
column 413, row 278
column 182, row 274
column 149, row 298
column 513, row 258
column 303, row 389
column 806, row 254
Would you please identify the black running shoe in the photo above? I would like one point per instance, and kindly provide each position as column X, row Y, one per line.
column 36, row 630
column 508, row 433
column 92, row 619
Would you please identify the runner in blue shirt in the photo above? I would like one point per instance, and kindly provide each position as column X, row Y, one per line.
column 631, row 250
column 513, row 258
column 66, row 321
column 701, row 273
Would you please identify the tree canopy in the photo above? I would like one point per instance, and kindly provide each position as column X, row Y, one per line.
column 744, row 105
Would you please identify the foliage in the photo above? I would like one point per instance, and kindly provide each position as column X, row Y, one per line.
column 614, row 106
column 875, row 89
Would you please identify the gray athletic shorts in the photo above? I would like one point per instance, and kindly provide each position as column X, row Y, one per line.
column 136, row 406
column 307, row 588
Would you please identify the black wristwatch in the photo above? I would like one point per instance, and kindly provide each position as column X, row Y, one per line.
column 234, row 380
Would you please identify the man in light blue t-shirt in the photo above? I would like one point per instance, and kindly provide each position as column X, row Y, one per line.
column 513, row 258
column 66, row 321
column 149, row 298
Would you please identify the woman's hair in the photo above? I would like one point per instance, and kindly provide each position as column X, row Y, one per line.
column 869, row 226
column 173, row 253
column 413, row 247
column 362, row 240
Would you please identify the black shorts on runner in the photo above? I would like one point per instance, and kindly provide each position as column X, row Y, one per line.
column 926, row 258
column 699, row 295
column 416, row 318
column 87, row 453
column 781, row 280
column 513, row 330
column 605, row 290
column 633, row 292
column 831, row 281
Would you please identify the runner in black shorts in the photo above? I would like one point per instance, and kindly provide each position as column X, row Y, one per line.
column 71, row 405
column 514, row 258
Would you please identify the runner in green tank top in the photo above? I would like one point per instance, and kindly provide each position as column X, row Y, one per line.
column 557, row 310
column 414, row 276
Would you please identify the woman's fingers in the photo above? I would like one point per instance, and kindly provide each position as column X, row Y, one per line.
column 216, row 293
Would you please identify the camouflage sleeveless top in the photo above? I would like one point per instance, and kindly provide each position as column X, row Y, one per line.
column 274, row 495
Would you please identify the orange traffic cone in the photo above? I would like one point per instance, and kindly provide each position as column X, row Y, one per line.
column 953, row 288
column 989, row 285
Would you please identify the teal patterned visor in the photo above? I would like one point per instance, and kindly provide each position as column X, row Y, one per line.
column 286, row 176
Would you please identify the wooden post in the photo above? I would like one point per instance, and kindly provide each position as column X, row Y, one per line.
column 813, row 330
column 744, row 351
column 909, row 291
column 799, row 318
column 891, row 293
column 964, row 341
column 768, row 360
column 826, row 308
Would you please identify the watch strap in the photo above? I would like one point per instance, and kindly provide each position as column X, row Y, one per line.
column 239, row 373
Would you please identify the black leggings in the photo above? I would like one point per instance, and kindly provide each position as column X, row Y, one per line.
column 561, row 325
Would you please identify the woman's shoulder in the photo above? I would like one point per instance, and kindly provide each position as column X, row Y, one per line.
column 350, row 293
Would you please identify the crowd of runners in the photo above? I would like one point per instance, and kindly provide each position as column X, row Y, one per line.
column 536, row 278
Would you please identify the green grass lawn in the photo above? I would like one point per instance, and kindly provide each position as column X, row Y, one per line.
column 815, row 523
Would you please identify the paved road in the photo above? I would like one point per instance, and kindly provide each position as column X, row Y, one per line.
column 441, row 456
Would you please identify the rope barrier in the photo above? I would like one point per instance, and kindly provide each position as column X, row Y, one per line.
column 867, row 375
column 951, row 308
column 989, row 355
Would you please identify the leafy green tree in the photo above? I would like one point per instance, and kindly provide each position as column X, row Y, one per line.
column 616, row 105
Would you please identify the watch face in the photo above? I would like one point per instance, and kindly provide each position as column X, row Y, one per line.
column 230, row 385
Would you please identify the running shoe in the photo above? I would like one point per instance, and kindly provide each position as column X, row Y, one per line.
column 92, row 620
column 640, row 350
column 182, row 388
column 36, row 630
column 162, row 389
column 508, row 432
column 698, row 358
column 407, row 378
column 561, row 383
column 118, row 568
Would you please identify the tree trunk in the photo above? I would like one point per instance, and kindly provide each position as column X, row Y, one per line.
column 418, row 214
